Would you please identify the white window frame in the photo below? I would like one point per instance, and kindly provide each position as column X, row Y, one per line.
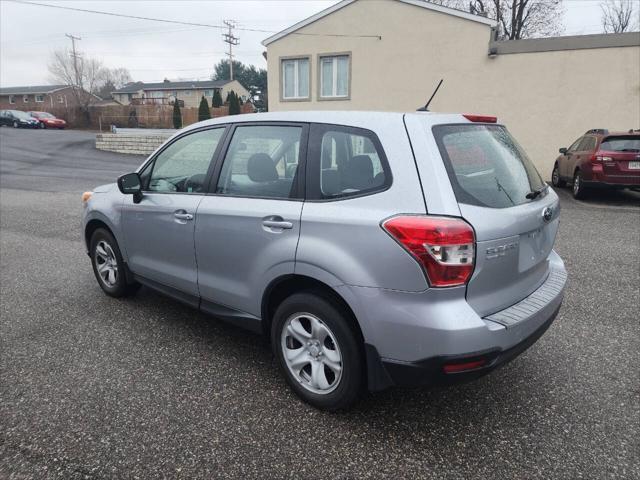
column 296, row 85
column 25, row 99
column 40, row 97
column 12, row 99
column 334, row 87
column 60, row 99
column 186, row 93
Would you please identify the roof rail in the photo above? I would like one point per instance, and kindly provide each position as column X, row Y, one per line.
column 634, row 130
column 597, row 131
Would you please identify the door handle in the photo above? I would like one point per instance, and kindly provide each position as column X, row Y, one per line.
column 182, row 215
column 277, row 224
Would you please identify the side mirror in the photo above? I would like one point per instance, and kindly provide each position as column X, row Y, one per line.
column 563, row 151
column 130, row 184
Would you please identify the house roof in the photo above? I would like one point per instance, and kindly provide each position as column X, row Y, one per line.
column 31, row 90
column 137, row 86
column 418, row 3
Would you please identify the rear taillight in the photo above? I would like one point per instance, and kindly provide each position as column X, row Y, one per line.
column 598, row 157
column 443, row 246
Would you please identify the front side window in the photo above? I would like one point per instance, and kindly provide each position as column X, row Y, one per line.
column 182, row 166
column 334, row 76
column 486, row 166
column 574, row 146
column 351, row 162
column 261, row 161
column 295, row 79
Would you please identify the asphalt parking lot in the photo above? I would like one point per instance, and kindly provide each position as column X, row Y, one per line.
column 93, row 387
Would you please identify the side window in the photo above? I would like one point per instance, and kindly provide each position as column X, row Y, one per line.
column 574, row 145
column 261, row 161
column 182, row 166
column 587, row 144
column 351, row 162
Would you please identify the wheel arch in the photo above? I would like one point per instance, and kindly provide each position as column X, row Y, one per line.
column 93, row 225
column 286, row 285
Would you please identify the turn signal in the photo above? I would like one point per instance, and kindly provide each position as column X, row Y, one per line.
column 444, row 247
column 86, row 196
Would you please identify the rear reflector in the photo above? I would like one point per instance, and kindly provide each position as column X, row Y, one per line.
column 444, row 247
column 480, row 118
column 464, row 367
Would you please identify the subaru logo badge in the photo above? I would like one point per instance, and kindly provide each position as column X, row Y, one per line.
column 547, row 214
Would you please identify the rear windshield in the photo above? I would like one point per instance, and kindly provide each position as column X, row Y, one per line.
column 630, row 143
column 486, row 165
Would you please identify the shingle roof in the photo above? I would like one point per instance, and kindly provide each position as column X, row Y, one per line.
column 137, row 86
column 31, row 90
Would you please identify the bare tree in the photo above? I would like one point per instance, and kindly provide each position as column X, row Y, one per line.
column 111, row 79
column 618, row 16
column 517, row 18
column 83, row 74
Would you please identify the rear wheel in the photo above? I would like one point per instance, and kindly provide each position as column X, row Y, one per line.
column 108, row 265
column 42, row 125
column 15, row 124
column 555, row 177
column 318, row 351
column 579, row 190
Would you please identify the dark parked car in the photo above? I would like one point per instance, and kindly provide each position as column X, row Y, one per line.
column 47, row 120
column 599, row 159
column 18, row 119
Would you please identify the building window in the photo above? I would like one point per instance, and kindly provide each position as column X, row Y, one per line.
column 25, row 99
column 187, row 93
column 295, row 79
column 60, row 99
column 208, row 93
column 12, row 99
column 39, row 98
column 334, row 76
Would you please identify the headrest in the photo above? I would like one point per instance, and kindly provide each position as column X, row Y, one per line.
column 260, row 168
column 359, row 172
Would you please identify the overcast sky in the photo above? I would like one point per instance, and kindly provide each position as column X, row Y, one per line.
column 152, row 51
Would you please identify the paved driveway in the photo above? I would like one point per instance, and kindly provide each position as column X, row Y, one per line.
column 92, row 387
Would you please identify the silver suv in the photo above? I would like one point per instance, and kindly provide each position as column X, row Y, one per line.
column 373, row 249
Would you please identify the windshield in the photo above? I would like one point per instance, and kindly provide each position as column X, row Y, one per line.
column 21, row 115
column 630, row 143
column 486, row 165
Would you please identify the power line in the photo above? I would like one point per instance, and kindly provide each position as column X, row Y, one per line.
column 193, row 24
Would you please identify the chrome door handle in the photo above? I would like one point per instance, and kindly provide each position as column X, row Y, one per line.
column 182, row 215
column 277, row 224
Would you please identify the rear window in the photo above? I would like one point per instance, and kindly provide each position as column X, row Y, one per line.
column 630, row 143
column 486, row 165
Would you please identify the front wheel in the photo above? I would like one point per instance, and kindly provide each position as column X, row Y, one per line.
column 555, row 177
column 108, row 265
column 579, row 190
column 15, row 125
column 318, row 351
column 42, row 125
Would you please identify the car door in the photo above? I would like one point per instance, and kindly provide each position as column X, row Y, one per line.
column 566, row 170
column 247, row 229
column 583, row 152
column 159, row 229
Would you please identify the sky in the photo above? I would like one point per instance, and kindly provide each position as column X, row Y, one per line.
column 152, row 51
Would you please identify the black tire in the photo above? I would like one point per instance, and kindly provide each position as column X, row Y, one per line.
column 555, row 177
column 578, row 190
column 120, row 287
column 352, row 379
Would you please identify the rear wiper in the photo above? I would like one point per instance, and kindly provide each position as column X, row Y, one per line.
column 534, row 194
column 629, row 150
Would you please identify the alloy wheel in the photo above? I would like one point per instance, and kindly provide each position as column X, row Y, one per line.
column 555, row 176
column 106, row 263
column 311, row 353
column 576, row 185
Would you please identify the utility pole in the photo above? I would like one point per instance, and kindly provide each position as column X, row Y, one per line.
column 231, row 40
column 75, row 55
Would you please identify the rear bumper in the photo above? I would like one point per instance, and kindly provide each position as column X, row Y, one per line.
column 429, row 332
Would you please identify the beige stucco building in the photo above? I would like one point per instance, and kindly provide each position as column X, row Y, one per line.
column 390, row 54
column 188, row 93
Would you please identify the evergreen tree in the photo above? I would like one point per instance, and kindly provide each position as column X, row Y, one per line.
column 216, row 101
column 177, row 115
column 234, row 103
column 203, row 110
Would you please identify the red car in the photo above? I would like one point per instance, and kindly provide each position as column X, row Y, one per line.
column 599, row 159
column 48, row 121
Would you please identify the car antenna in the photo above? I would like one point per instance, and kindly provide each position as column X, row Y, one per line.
column 426, row 107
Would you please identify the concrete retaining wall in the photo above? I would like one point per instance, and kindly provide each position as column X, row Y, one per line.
column 132, row 143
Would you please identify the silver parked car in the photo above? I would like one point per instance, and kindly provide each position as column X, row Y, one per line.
column 373, row 249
